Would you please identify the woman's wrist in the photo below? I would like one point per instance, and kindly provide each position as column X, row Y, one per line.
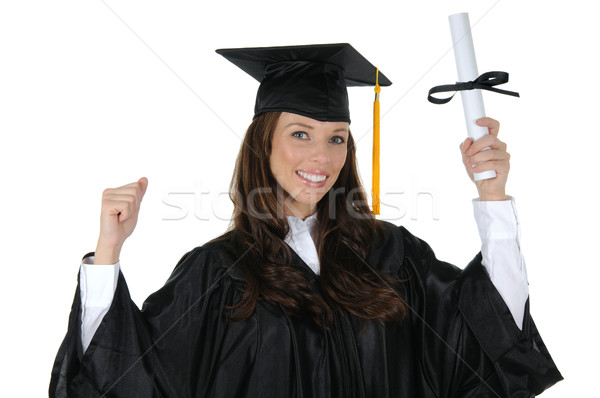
column 492, row 197
column 106, row 254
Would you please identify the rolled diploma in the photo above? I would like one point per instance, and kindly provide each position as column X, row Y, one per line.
column 466, row 65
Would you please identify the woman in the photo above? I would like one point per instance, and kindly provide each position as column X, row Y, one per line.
column 307, row 295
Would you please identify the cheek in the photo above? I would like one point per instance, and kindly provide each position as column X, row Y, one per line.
column 283, row 160
column 340, row 159
column 291, row 157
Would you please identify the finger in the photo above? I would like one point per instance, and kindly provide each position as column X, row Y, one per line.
column 485, row 156
column 120, row 201
column 488, row 141
column 139, row 187
column 143, row 183
column 130, row 189
column 465, row 145
column 500, row 166
column 122, row 196
column 122, row 208
column 135, row 184
column 492, row 124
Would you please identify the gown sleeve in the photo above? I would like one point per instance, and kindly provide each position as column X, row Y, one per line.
column 470, row 344
column 150, row 353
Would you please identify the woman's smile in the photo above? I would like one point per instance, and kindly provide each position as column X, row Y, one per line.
column 313, row 178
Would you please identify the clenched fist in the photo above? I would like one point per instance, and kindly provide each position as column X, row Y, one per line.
column 118, row 217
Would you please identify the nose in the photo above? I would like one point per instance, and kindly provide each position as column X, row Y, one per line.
column 320, row 152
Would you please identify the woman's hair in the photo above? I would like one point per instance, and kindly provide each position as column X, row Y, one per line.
column 346, row 229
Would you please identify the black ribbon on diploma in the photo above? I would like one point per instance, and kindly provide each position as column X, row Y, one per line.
column 485, row 81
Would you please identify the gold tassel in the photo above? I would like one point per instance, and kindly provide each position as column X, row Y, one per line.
column 375, row 189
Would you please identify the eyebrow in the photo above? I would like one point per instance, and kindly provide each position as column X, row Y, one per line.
column 311, row 127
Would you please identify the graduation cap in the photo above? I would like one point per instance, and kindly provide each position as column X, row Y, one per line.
column 311, row 81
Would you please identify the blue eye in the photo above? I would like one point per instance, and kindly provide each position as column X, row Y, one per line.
column 300, row 134
column 337, row 140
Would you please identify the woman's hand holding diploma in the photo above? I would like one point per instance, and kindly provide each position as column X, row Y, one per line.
column 120, row 208
column 477, row 160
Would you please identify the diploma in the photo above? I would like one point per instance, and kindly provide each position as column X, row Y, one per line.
column 466, row 65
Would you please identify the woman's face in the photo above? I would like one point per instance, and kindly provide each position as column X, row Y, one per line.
column 306, row 158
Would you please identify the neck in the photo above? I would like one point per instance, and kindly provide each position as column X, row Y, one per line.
column 301, row 213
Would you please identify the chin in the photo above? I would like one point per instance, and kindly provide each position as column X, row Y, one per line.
column 310, row 201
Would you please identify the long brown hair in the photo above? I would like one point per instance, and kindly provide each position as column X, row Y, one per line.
column 346, row 230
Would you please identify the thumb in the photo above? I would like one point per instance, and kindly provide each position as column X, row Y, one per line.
column 144, row 184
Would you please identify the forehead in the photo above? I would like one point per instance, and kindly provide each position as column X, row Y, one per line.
column 288, row 120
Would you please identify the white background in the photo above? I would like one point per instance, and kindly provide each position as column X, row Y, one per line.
column 95, row 94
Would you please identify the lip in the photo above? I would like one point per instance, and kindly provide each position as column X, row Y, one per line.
column 312, row 184
column 314, row 171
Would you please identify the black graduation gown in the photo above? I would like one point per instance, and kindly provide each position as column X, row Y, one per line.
column 459, row 339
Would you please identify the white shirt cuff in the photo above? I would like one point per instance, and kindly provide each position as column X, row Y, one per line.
column 499, row 229
column 97, row 285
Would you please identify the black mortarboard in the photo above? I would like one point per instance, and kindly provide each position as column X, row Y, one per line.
column 309, row 80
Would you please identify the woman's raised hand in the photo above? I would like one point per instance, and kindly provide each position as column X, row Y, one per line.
column 120, row 208
column 495, row 158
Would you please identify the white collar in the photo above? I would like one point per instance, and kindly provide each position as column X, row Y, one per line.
column 301, row 238
column 298, row 225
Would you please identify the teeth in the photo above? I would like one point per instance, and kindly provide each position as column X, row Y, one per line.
column 312, row 177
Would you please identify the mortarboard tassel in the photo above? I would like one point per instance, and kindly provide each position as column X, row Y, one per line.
column 375, row 180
